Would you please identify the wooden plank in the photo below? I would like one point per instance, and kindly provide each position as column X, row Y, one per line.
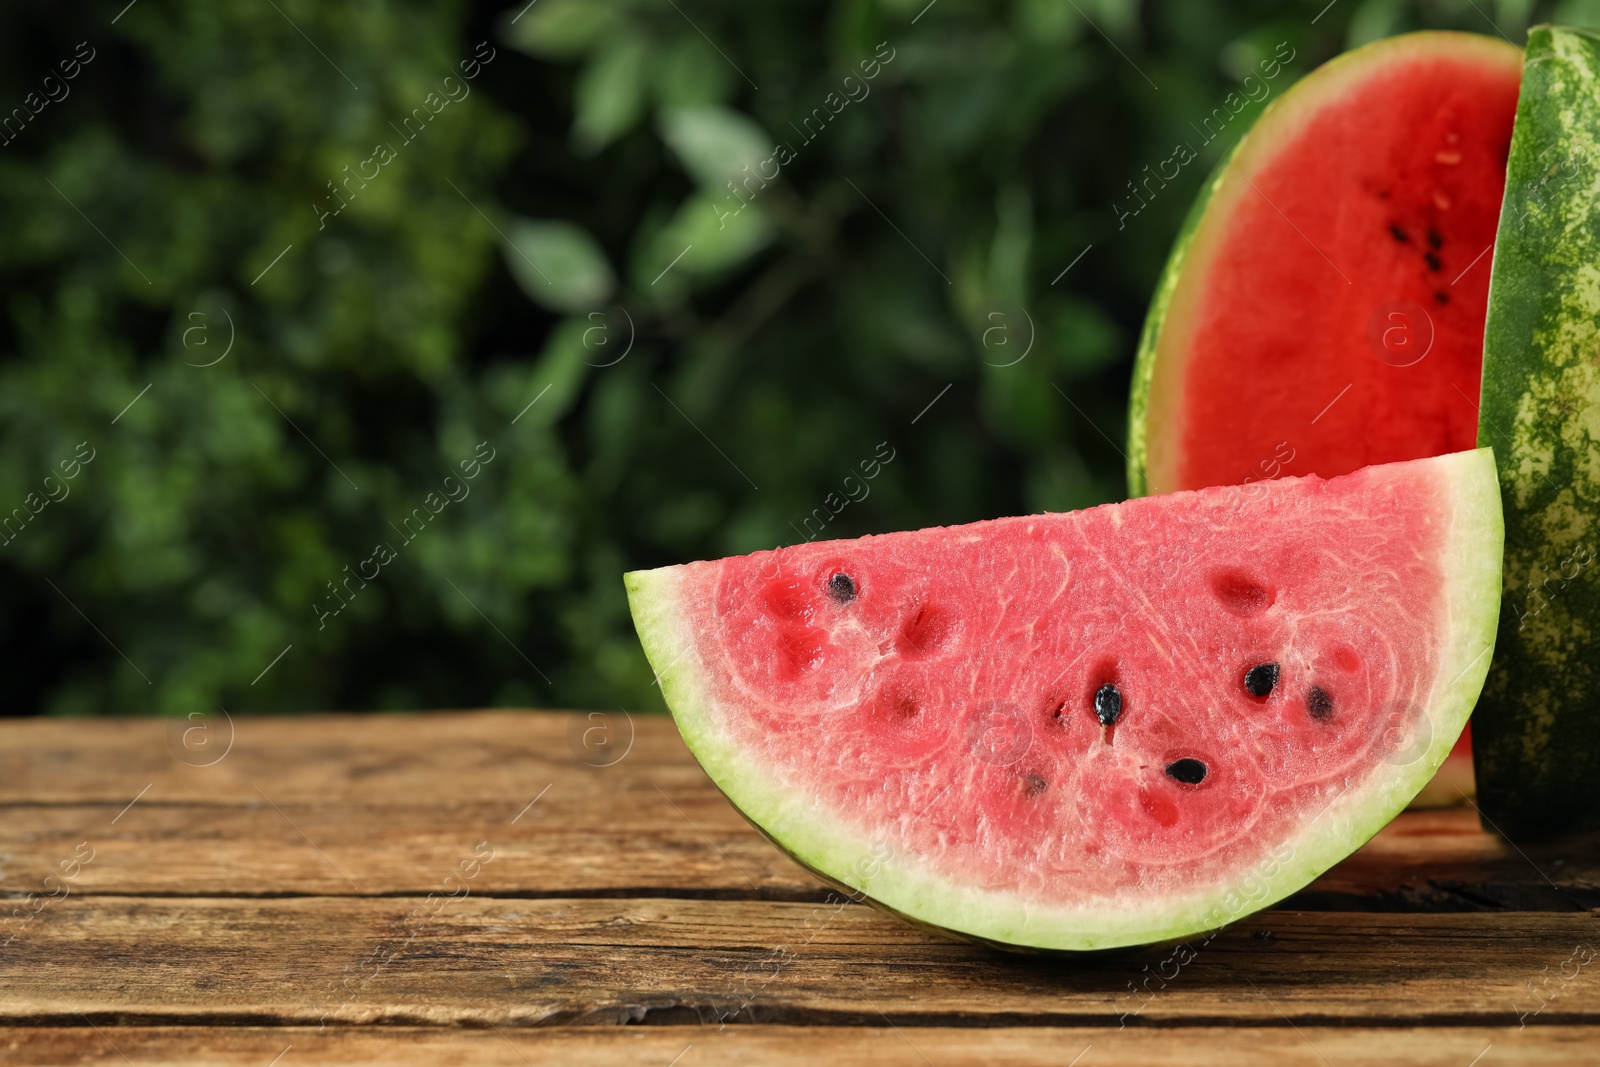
column 686, row 841
column 386, row 804
column 229, row 909
column 631, row 843
column 782, row 1046
column 479, row 962
column 491, row 756
column 377, row 804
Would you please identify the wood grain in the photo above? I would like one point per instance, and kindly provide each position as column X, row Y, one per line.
column 476, row 962
column 381, row 804
column 406, row 759
column 785, row 1046
column 277, row 899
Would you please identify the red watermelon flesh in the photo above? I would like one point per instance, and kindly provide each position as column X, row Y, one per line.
column 1057, row 731
column 1327, row 311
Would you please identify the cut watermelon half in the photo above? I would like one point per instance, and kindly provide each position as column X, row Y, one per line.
column 1101, row 728
column 1323, row 308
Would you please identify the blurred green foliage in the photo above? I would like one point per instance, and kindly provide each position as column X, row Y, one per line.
column 704, row 363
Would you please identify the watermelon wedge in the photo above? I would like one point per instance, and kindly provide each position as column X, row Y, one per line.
column 1538, row 732
column 1101, row 728
column 1323, row 308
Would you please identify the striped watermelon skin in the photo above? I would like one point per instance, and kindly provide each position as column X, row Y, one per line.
column 1536, row 733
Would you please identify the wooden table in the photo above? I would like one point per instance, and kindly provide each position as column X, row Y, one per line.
column 259, row 893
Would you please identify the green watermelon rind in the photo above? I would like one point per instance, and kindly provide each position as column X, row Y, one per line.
column 850, row 857
column 1536, row 740
column 1242, row 159
column 1144, row 360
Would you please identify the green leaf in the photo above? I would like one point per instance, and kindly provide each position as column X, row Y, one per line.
column 1048, row 23
column 541, row 394
column 559, row 29
column 1013, row 237
column 691, row 74
column 1080, row 336
column 1578, row 13
column 705, row 237
column 715, row 144
column 1512, row 15
column 610, row 94
column 558, row 264
column 1373, row 20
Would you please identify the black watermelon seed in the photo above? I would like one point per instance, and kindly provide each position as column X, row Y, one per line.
column 1187, row 771
column 1442, row 297
column 1260, row 679
column 1319, row 704
column 1399, row 234
column 1433, row 261
column 1434, row 240
column 1107, row 704
column 842, row 588
column 1033, row 785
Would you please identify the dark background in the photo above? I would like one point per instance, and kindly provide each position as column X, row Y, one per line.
column 521, row 248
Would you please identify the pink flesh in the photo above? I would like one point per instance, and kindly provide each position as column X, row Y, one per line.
column 948, row 707
column 1302, row 359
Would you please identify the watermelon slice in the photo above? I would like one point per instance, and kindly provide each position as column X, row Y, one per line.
column 1323, row 308
column 1538, row 732
column 1093, row 729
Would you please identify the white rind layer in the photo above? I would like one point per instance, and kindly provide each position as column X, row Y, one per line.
column 849, row 855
